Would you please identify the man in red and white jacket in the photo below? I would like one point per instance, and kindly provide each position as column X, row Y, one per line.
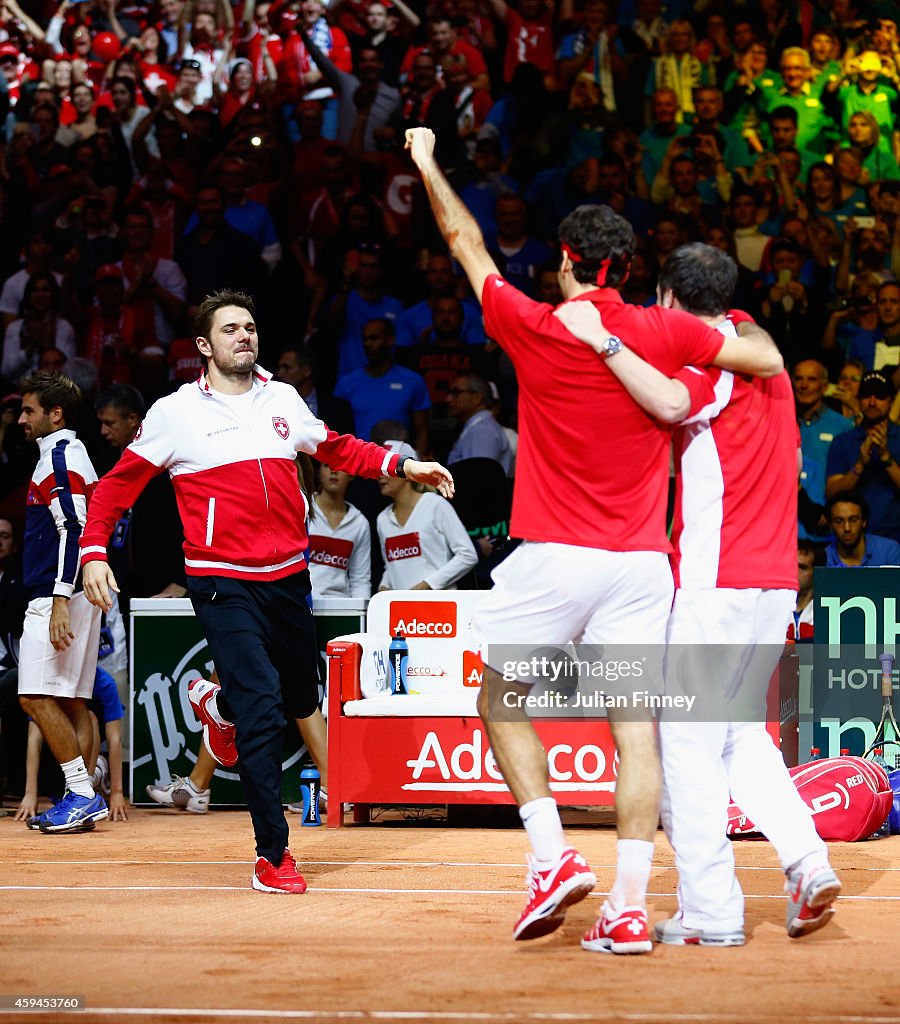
column 229, row 442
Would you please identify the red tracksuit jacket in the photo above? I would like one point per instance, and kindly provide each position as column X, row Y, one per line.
column 232, row 464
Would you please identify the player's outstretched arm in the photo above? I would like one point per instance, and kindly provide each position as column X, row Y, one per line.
column 664, row 398
column 98, row 580
column 431, row 473
column 753, row 351
column 459, row 228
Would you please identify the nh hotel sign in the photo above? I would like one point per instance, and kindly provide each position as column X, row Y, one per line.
column 856, row 618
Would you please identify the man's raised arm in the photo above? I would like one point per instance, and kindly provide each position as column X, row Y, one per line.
column 459, row 228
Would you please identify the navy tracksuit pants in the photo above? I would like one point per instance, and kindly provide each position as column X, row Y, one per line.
column 263, row 642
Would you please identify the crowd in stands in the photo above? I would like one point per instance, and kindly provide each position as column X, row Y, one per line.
column 152, row 151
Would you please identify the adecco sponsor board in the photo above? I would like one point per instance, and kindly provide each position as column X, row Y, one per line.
column 449, row 761
column 423, row 618
column 469, row 765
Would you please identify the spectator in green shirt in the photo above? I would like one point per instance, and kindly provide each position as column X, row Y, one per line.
column 824, row 51
column 861, row 91
column 874, row 149
column 815, row 129
column 743, row 87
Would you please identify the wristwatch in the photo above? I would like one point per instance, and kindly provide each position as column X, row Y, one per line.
column 611, row 346
column 398, row 469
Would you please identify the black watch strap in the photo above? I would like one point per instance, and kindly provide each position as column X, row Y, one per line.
column 398, row 469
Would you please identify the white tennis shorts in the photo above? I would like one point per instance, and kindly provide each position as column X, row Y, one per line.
column 559, row 593
column 68, row 673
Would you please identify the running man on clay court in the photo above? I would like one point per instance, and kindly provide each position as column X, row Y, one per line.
column 602, row 574
column 735, row 537
column 230, row 441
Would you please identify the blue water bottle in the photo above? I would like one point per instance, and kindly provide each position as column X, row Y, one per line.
column 398, row 655
column 310, row 784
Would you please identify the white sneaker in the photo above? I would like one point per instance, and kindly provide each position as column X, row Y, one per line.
column 180, row 793
column 672, row 932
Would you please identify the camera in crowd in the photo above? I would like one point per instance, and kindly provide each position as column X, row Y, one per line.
column 856, row 302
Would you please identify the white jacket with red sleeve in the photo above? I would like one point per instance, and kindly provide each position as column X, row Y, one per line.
column 232, row 464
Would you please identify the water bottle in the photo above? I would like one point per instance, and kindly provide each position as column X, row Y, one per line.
column 815, row 754
column 398, row 655
column 310, row 784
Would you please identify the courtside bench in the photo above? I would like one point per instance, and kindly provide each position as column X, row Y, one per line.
column 430, row 747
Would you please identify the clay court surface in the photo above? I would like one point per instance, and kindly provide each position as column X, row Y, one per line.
column 155, row 920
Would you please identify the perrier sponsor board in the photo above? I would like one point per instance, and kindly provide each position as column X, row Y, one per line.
column 168, row 650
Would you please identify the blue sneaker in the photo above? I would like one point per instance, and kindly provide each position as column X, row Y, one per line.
column 73, row 813
column 34, row 824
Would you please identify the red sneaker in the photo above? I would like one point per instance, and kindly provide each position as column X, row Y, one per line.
column 219, row 739
column 810, row 899
column 284, row 878
column 551, row 891
column 627, row 932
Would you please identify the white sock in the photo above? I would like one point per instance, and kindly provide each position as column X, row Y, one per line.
column 541, row 820
column 212, row 707
column 190, row 782
column 634, row 859
column 77, row 778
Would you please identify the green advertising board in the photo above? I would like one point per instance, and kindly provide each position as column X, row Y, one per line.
column 855, row 620
column 168, row 650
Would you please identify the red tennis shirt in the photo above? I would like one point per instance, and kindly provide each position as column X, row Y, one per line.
column 592, row 467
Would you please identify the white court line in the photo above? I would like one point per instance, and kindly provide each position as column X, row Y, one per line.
column 448, row 1015
column 371, row 892
column 517, row 865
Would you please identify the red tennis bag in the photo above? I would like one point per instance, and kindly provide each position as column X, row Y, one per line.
column 849, row 798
